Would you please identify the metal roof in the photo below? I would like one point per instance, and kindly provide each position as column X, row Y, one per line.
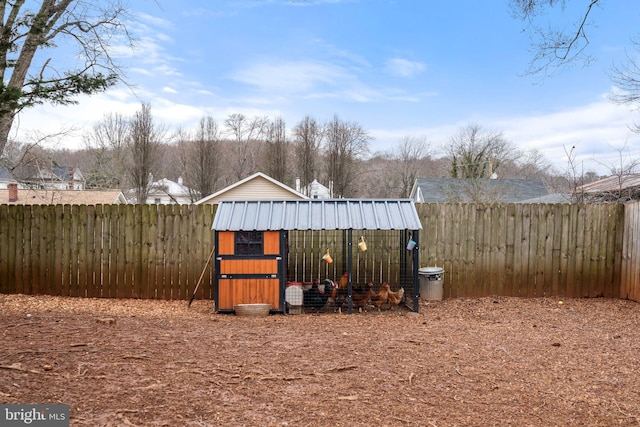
column 611, row 184
column 317, row 214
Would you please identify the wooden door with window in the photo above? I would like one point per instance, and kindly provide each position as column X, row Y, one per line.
column 249, row 269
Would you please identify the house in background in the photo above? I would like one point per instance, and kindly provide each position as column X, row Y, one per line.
column 255, row 187
column 6, row 177
column 457, row 190
column 616, row 188
column 32, row 196
column 44, row 178
column 164, row 192
column 315, row 190
column 54, row 178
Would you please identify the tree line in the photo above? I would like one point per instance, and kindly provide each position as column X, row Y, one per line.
column 128, row 152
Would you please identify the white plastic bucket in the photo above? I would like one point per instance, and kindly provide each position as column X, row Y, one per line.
column 431, row 283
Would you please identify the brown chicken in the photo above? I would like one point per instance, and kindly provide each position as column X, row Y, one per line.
column 396, row 297
column 344, row 280
column 339, row 292
column 381, row 297
column 361, row 297
column 386, row 295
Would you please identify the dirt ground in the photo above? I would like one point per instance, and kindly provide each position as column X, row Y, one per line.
column 463, row 362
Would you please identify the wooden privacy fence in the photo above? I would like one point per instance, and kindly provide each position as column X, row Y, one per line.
column 527, row 250
column 159, row 251
column 630, row 274
column 116, row 251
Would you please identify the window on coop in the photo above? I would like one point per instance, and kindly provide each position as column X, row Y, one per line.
column 249, row 243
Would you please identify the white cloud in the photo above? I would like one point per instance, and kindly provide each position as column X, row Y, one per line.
column 401, row 67
column 595, row 130
column 315, row 79
column 292, row 77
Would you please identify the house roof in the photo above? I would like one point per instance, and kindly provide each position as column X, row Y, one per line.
column 5, row 175
column 166, row 186
column 64, row 173
column 257, row 186
column 64, row 197
column 446, row 190
column 317, row 214
column 611, row 184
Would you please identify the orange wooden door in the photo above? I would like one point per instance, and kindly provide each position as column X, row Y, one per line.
column 248, row 291
column 249, row 279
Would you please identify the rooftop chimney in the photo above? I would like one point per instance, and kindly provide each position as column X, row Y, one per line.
column 13, row 192
column 71, row 180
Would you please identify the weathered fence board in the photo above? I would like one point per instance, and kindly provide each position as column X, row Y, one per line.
column 142, row 251
column 630, row 253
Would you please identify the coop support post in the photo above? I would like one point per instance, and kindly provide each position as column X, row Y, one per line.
column 416, row 267
column 282, row 267
column 350, row 270
column 216, row 275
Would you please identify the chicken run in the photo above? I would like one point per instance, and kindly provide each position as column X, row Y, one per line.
column 332, row 296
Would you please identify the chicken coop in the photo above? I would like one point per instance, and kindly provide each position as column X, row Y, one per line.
column 262, row 246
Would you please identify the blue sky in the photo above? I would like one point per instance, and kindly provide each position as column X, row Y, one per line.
column 397, row 68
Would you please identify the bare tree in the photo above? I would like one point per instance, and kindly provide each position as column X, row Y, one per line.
column 476, row 153
column 627, row 79
column 346, row 144
column 379, row 178
column 246, row 132
column 277, row 150
column 533, row 164
column 575, row 176
column 553, row 47
column 108, row 142
column 307, row 141
column 408, row 161
column 28, row 81
column 27, row 160
column 145, row 143
column 200, row 158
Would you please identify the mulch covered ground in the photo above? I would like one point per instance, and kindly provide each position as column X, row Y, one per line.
column 463, row 362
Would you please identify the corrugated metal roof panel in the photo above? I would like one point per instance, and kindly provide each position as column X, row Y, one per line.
column 325, row 214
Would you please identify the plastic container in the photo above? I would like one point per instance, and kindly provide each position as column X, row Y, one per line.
column 293, row 296
column 431, row 283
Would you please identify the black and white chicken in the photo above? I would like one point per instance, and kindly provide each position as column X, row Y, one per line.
column 314, row 298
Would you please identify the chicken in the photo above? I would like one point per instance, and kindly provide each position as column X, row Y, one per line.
column 361, row 297
column 381, row 297
column 396, row 297
column 314, row 299
column 386, row 295
column 344, row 280
column 340, row 291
